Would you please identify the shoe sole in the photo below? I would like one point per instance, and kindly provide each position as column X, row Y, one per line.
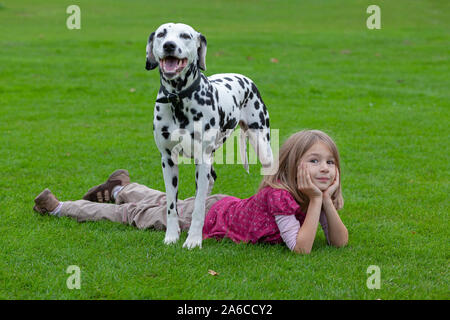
column 116, row 175
column 121, row 174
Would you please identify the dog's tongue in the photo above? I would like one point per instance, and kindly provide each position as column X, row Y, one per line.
column 170, row 64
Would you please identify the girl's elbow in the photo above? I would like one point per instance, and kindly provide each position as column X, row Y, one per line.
column 301, row 250
column 341, row 242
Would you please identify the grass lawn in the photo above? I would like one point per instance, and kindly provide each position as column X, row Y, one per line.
column 78, row 104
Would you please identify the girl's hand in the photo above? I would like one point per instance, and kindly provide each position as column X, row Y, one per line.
column 333, row 187
column 305, row 185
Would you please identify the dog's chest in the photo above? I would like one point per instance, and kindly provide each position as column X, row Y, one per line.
column 214, row 106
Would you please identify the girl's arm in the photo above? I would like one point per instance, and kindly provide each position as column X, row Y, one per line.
column 307, row 232
column 337, row 232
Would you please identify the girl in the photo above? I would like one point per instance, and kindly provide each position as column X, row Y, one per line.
column 288, row 207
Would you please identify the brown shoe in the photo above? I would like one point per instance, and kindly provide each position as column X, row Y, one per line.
column 103, row 192
column 45, row 202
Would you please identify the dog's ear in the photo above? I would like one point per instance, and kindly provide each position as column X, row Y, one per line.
column 150, row 62
column 201, row 52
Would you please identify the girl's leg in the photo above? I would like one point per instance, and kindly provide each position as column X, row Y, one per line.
column 149, row 212
column 135, row 192
column 152, row 211
column 83, row 210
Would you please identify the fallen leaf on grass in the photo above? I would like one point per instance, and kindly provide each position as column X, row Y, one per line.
column 274, row 60
column 212, row 272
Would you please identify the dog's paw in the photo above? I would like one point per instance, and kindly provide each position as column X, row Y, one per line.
column 171, row 237
column 193, row 241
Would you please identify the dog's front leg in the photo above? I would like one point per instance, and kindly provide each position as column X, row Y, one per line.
column 170, row 173
column 194, row 239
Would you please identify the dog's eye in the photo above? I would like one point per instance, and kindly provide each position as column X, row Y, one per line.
column 162, row 34
column 185, row 36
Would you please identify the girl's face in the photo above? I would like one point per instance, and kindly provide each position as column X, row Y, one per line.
column 321, row 165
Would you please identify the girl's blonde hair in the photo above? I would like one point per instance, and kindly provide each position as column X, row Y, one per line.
column 289, row 160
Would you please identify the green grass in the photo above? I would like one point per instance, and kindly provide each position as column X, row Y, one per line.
column 68, row 119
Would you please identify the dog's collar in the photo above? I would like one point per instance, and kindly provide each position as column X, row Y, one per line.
column 177, row 97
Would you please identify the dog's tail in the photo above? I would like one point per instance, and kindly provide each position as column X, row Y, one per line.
column 260, row 141
column 243, row 137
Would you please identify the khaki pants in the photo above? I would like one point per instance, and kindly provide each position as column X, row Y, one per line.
column 136, row 205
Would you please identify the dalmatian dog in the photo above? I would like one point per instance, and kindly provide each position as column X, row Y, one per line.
column 202, row 113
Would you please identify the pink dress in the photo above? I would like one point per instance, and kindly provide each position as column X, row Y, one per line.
column 253, row 219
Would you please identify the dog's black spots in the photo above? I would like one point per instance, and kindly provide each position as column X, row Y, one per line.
column 254, row 89
column 228, row 79
column 163, row 165
column 236, row 103
column 191, row 70
column 241, row 83
column 256, row 105
column 171, row 206
column 158, row 118
column 170, row 162
column 166, row 135
column 174, row 182
column 218, row 80
column 179, row 50
column 196, row 176
column 264, row 109
column 198, row 116
column 262, row 119
column 207, row 127
column 157, row 108
column 202, row 93
column 181, row 117
column 208, row 176
column 221, row 117
column 168, row 152
column 217, row 95
column 193, row 111
column 200, row 100
column 268, row 137
column 228, row 86
column 267, row 123
column 254, row 125
column 246, row 81
column 212, row 122
column 250, row 96
column 165, row 129
column 213, row 174
column 231, row 124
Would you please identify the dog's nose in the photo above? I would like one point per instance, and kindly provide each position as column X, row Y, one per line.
column 169, row 46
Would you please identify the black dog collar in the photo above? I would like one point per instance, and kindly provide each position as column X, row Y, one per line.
column 175, row 98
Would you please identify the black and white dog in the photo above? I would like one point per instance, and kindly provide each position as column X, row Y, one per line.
column 202, row 112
